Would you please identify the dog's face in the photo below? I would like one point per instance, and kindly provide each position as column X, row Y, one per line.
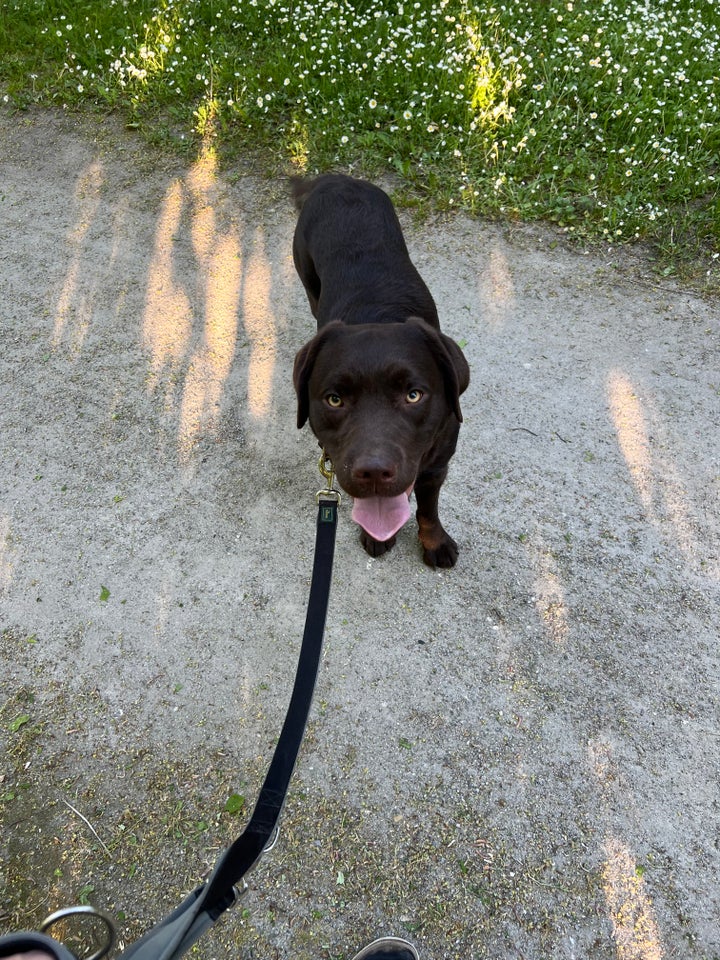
column 382, row 399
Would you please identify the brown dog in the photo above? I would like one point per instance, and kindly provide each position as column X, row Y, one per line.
column 379, row 382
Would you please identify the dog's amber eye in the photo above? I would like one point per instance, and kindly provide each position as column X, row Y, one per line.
column 334, row 400
column 413, row 396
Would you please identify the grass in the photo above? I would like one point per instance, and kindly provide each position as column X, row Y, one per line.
column 602, row 118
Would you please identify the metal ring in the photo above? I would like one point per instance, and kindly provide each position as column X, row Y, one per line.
column 87, row 911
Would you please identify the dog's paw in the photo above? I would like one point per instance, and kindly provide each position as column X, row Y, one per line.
column 376, row 548
column 444, row 554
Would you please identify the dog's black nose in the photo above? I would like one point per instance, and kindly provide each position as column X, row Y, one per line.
column 375, row 470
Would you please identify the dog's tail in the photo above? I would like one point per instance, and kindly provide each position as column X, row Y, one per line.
column 300, row 187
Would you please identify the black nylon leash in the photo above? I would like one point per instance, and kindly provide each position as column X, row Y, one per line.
column 174, row 935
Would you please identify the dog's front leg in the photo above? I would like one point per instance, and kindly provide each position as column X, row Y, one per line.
column 439, row 548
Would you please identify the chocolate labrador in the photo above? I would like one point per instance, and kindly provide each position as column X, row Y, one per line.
column 379, row 382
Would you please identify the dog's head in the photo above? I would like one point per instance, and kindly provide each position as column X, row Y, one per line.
column 383, row 399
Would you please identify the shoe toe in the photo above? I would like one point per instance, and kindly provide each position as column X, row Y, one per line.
column 388, row 948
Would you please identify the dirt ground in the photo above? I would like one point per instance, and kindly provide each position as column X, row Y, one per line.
column 517, row 759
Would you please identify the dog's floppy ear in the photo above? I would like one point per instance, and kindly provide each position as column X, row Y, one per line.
column 451, row 361
column 304, row 362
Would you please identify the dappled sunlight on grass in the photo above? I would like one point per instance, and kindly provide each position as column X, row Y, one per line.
column 492, row 79
column 601, row 118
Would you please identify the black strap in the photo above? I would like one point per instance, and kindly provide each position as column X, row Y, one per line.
column 174, row 935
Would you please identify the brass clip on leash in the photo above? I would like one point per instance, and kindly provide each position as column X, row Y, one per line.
column 326, row 468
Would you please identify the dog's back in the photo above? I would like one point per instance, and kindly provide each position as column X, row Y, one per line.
column 351, row 255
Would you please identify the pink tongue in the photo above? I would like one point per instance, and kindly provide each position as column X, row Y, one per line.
column 381, row 517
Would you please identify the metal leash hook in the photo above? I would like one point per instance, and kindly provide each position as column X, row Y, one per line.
column 326, row 468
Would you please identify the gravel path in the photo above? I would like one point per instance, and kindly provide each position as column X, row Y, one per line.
column 514, row 759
